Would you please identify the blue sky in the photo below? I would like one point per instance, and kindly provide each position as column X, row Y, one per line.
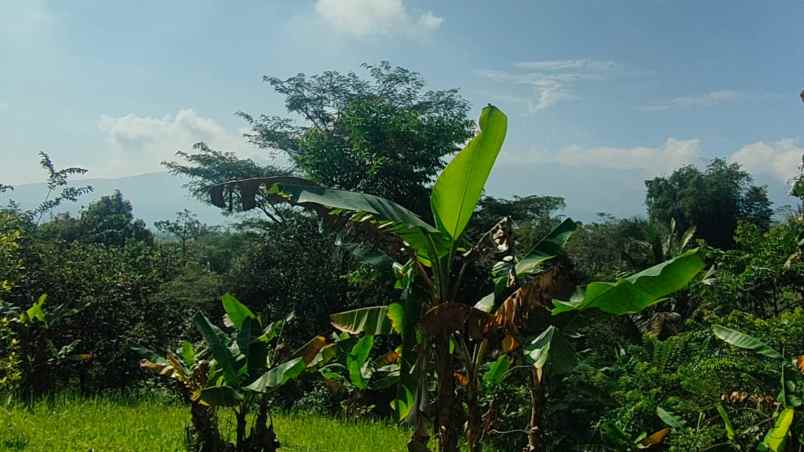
column 601, row 94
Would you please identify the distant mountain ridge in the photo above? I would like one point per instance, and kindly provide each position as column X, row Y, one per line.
column 154, row 196
column 158, row 196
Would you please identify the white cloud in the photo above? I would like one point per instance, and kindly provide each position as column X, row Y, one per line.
column 549, row 82
column 139, row 144
column 780, row 159
column 704, row 100
column 650, row 161
column 376, row 17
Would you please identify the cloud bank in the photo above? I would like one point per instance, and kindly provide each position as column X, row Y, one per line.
column 138, row 144
column 362, row 18
column 779, row 159
column 649, row 161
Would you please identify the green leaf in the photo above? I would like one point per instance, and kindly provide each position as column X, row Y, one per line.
column 357, row 359
column 187, row 353
column 396, row 313
column 776, row 439
column 553, row 243
column 404, row 403
column 497, row 371
column 531, row 264
column 458, row 188
column 245, row 334
column 744, row 341
column 562, row 359
column 538, row 351
column 36, row 312
column 237, row 311
column 670, row 419
column 221, row 396
column 278, row 376
column 373, row 320
column 634, row 293
column 217, row 343
column 486, row 304
column 730, row 433
column 272, row 331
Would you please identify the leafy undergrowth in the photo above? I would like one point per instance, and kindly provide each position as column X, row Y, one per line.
column 114, row 424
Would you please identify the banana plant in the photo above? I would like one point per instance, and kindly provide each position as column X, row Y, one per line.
column 238, row 367
column 427, row 262
column 442, row 327
column 353, row 370
column 531, row 311
column 189, row 368
column 791, row 393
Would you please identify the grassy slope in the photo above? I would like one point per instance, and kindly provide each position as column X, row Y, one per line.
column 71, row 424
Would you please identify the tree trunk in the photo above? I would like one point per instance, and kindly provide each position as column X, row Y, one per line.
column 536, row 405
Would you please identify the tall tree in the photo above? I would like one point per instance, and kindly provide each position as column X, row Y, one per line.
column 185, row 227
column 108, row 221
column 385, row 135
column 713, row 200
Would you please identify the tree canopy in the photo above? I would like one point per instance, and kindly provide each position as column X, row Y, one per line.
column 383, row 135
column 714, row 200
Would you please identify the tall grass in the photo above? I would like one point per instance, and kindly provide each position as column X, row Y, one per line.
column 70, row 423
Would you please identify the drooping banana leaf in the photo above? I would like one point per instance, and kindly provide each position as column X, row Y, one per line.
column 278, row 376
column 744, row 341
column 636, row 292
column 372, row 320
column 221, row 396
column 554, row 242
column 388, row 215
column 458, row 188
column 776, row 439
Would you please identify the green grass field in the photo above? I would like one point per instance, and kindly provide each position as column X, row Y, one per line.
column 106, row 424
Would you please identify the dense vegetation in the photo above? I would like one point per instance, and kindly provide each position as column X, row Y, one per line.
column 475, row 321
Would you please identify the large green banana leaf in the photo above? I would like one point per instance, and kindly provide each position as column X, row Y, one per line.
column 744, row 341
column 636, row 292
column 388, row 215
column 458, row 188
column 372, row 320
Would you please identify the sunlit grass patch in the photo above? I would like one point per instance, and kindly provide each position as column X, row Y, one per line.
column 118, row 424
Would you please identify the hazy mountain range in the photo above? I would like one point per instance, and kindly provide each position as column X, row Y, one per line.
column 157, row 196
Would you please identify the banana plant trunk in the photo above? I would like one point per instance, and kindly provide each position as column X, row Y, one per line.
column 262, row 434
column 205, row 433
column 419, row 437
column 240, row 417
column 474, row 423
column 447, row 417
column 536, row 405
